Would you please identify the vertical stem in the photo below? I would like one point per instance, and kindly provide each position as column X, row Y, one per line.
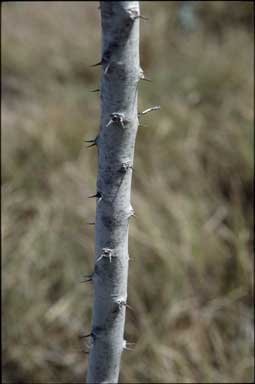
column 116, row 141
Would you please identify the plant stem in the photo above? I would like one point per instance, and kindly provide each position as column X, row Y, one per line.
column 116, row 141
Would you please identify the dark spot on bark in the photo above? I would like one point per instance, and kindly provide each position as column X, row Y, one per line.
column 107, row 221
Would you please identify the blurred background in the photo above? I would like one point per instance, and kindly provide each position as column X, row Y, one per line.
column 191, row 243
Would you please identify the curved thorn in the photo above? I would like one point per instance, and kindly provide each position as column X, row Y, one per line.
column 84, row 336
column 96, row 65
column 87, row 279
column 91, row 145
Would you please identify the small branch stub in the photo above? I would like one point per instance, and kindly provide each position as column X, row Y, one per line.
column 134, row 14
column 117, row 117
column 119, row 304
column 107, row 253
column 125, row 166
column 131, row 212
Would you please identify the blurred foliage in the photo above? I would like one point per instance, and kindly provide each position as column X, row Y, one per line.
column 191, row 243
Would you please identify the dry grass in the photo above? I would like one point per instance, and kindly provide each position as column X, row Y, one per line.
column 191, row 281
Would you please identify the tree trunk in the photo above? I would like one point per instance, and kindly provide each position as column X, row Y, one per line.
column 116, row 141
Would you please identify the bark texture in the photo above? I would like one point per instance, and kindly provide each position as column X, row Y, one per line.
column 116, row 141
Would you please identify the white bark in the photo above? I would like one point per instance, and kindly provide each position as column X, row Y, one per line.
column 116, row 141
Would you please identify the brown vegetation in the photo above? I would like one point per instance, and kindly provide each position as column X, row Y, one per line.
column 191, row 282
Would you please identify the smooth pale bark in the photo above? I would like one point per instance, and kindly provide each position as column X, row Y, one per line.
column 116, row 141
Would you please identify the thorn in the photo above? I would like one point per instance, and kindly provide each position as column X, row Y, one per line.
column 103, row 61
column 89, row 345
column 157, row 107
column 94, row 142
column 87, row 278
column 92, row 334
column 98, row 195
column 96, row 65
column 95, row 90
column 84, row 336
column 91, row 145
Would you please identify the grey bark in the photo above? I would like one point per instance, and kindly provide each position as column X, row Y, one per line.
column 116, row 141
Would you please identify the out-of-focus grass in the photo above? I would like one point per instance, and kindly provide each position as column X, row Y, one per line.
column 190, row 281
